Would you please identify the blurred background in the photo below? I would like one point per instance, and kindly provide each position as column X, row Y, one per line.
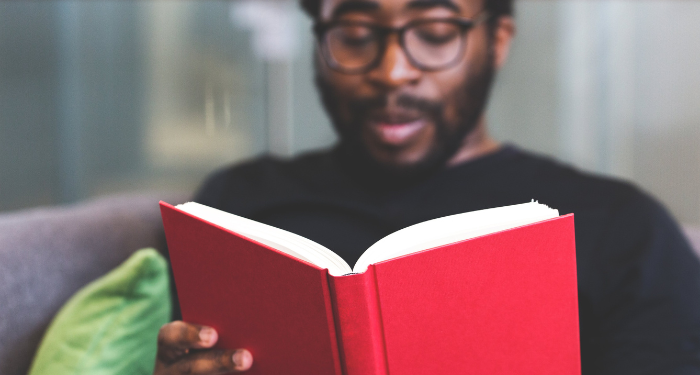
column 103, row 97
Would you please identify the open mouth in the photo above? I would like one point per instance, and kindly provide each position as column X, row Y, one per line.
column 398, row 133
column 396, row 129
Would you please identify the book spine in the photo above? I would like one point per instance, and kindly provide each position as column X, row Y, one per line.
column 359, row 324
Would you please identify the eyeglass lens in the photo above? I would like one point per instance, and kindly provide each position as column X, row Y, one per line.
column 352, row 46
column 434, row 44
column 430, row 44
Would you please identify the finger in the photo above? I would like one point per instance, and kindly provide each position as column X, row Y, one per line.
column 183, row 335
column 176, row 338
column 213, row 362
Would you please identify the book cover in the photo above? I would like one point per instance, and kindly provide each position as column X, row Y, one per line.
column 503, row 303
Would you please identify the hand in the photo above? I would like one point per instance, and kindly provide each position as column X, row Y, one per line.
column 175, row 356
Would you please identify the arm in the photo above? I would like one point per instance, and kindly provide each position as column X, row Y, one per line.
column 640, row 296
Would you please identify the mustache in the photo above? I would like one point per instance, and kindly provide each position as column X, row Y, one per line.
column 404, row 101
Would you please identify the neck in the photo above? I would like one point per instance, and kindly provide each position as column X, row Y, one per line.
column 476, row 144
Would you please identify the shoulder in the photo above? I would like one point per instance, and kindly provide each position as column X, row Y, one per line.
column 571, row 189
column 620, row 229
column 606, row 209
column 262, row 176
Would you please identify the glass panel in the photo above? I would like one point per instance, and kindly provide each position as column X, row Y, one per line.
column 111, row 96
column 610, row 86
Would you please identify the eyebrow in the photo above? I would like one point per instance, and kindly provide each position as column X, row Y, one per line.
column 355, row 6
column 427, row 4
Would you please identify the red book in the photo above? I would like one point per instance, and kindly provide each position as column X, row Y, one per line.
column 499, row 303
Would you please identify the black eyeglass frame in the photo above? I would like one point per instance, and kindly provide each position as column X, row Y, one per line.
column 320, row 30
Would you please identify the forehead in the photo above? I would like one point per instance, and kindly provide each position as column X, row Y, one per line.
column 330, row 8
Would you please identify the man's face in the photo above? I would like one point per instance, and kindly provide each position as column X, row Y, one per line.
column 396, row 115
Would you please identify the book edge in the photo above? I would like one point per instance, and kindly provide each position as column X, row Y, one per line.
column 169, row 206
column 473, row 238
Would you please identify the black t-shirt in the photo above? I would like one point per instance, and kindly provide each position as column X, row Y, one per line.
column 638, row 280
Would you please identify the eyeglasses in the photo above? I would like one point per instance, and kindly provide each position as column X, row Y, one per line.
column 430, row 44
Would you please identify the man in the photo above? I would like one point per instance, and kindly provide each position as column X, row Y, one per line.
column 405, row 83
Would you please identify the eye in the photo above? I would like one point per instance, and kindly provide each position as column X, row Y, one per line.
column 437, row 33
column 353, row 36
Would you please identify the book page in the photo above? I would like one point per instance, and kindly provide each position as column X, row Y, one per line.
column 287, row 242
column 454, row 228
column 418, row 237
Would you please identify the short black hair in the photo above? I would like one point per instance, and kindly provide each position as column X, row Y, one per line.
column 496, row 8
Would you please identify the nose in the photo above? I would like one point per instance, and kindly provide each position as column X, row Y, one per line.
column 395, row 69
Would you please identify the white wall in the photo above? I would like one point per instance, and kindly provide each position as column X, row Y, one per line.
column 612, row 87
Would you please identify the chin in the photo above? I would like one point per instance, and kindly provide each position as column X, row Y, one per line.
column 414, row 164
column 400, row 161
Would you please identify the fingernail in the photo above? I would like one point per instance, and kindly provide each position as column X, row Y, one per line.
column 242, row 359
column 207, row 336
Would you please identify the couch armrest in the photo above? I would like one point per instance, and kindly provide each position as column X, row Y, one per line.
column 47, row 254
column 693, row 234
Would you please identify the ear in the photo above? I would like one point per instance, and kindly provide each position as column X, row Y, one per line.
column 503, row 35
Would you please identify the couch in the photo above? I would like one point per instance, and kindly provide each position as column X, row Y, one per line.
column 47, row 254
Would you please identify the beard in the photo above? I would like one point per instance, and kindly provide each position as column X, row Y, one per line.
column 470, row 99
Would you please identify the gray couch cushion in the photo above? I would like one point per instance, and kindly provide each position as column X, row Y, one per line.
column 693, row 235
column 47, row 254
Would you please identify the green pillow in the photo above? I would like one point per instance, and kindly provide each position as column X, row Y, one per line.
column 111, row 325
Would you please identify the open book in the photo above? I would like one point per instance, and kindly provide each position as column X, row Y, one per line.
column 486, row 292
column 422, row 236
